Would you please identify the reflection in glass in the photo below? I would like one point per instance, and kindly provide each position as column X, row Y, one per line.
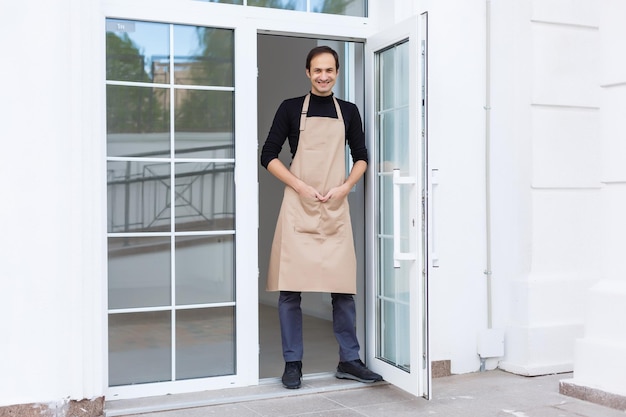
column 385, row 264
column 137, row 51
column 395, row 346
column 396, row 287
column 150, row 191
column 205, row 269
column 342, row 7
column 140, row 348
column 394, row 152
column 203, row 56
column 204, row 124
column 138, row 121
column 138, row 196
column 205, row 196
column 403, row 75
column 224, row 1
column 139, row 272
column 205, row 342
column 393, row 108
column 280, row 4
column 385, row 202
column 387, row 68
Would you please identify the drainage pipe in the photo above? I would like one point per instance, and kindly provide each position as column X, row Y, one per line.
column 487, row 170
column 488, row 161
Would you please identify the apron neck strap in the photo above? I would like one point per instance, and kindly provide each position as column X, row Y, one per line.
column 305, row 110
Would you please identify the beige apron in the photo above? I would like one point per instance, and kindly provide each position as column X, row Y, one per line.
column 313, row 248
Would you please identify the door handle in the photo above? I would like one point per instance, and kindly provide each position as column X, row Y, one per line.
column 397, row 254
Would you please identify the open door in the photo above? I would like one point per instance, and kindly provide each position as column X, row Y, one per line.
column 397, row 207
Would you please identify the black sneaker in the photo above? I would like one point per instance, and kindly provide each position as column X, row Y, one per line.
column 292, row 375
column 356, row 370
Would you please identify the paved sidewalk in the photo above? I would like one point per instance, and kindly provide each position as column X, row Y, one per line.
column 484, row 394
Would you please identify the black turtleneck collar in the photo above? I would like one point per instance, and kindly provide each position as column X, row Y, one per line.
column 322, row 99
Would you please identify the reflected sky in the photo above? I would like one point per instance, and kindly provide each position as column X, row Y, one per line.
column 153, row 39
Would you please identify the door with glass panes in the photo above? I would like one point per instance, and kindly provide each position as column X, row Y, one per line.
column 172, row 221
column 397, row 226
column 175, row 312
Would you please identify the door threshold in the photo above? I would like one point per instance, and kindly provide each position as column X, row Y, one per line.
column 268, row 388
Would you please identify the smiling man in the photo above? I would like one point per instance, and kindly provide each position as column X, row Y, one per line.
column 313, row 247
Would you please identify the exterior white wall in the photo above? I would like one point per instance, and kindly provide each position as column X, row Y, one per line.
column 600, row 355
column 52, row 240
column 546, row 62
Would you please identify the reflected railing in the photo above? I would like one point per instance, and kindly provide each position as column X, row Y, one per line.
column 140, row 193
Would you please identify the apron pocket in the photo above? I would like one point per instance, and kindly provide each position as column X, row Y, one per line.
column 307, row 217
column 332, row 216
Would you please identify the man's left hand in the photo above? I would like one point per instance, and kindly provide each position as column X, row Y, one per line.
column 336, row 193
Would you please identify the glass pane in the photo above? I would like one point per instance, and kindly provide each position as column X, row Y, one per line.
column 343, row 7
column 139, row 272
column 388, row 329
column 402, row 76
column 386, row 269
column 385, row 200
column 138, row 121
column 224, row 1
column 203, row 56
column 394, row 144
column 205, row 124
column 205, row 269
column 138, row 196
column 205, row 196
column 393, row 150
column 395, row 336
column 387, row 69
column 280, row 4
column 205, row 342
column 140, row 348
column 394, row 65
column 137, row 51
column 395, row 286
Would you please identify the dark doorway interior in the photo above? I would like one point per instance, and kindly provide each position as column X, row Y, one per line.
column 281, row 75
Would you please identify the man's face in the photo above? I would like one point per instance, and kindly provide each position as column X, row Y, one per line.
column 322, row 74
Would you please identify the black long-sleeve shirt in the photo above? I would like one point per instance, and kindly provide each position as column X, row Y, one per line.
column 286, row 124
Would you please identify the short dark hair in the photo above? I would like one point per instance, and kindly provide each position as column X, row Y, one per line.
column 322, row 50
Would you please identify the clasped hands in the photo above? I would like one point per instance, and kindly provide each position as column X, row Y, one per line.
column 335, row 193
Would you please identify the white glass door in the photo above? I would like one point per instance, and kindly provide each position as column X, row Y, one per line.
column 397, row 221
column 179, row 298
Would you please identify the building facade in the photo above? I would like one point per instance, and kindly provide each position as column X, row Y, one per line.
column 136, row 218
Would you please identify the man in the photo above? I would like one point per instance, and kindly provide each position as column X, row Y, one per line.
column 313, row 248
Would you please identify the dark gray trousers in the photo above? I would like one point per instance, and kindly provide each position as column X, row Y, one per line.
column 344, row 325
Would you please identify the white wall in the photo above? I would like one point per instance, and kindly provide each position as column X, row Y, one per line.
column 550, row 62
column 546, row 177
column 600, row 355
column 51, row 280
